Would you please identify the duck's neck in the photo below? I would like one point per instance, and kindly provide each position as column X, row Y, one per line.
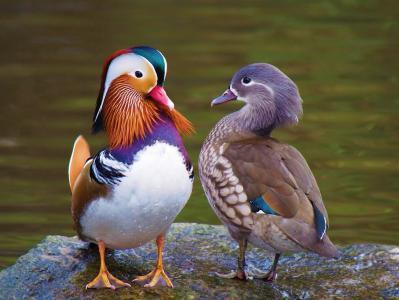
column 163, row 130
column 259, row 120
column 246, row 123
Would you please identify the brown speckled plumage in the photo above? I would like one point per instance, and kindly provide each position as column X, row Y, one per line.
column 239, row 162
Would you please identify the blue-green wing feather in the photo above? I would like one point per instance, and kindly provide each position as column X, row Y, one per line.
column 258, row 204
column 320, row 222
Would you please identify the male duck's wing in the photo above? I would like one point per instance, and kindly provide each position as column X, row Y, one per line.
column 91, row 177
column 278, row 181
column 85, row 190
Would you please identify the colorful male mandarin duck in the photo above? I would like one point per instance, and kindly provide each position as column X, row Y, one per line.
column 261, row 189
column 130, row 192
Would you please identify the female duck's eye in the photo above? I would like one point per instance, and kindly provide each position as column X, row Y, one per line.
column 246, row 80
column 138, row 74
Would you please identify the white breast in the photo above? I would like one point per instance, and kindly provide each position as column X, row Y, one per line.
column 145, row 203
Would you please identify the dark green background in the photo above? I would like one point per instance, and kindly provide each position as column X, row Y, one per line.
column 343, row 55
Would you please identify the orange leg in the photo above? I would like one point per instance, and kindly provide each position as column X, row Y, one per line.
column 104, row 278
column 158, row 271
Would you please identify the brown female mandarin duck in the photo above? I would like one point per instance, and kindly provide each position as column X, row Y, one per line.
column 261, row 189
column 130, row 192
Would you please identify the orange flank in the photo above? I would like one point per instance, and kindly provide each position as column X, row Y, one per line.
column 79, row 156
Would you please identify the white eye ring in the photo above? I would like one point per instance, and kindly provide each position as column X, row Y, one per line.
column 246, row 80
column 138, row 74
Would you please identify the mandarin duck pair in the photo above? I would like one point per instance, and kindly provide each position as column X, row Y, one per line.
column 131, row 192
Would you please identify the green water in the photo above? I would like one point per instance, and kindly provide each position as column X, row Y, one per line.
column 343, row 56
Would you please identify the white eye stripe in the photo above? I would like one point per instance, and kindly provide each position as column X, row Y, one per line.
column 125, row 63
column 271, row 91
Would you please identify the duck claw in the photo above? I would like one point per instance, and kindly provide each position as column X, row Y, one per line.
column 268, row 276
column 253, row 273
column 234, row 275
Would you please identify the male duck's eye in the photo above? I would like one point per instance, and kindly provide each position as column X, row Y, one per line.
column 246, row 80
column 138, row 74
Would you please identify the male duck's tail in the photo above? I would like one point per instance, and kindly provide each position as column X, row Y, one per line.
column 79, row 156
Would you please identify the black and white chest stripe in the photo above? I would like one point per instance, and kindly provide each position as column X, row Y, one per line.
column 105, row 169
column 190, row 170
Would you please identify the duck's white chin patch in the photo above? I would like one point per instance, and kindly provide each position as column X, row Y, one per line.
column 145, row 203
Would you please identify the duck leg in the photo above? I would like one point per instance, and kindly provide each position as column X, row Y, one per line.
column 272, row 274
column 104, row 278
column 158, row 271
column 240, row 272
column 269, row 276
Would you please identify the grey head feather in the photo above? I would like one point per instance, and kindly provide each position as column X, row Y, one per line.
column 272, row 98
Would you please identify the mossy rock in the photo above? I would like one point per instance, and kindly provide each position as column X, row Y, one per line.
column 59, row 267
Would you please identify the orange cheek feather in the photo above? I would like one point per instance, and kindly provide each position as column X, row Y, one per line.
column 128, row 115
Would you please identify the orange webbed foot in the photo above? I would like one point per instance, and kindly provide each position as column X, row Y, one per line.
column 155, row 275
column 104, row 278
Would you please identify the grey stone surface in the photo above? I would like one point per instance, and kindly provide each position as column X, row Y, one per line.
column 59, row 267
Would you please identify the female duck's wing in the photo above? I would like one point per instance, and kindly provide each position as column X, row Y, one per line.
column 261, row 170
column 278, row 181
